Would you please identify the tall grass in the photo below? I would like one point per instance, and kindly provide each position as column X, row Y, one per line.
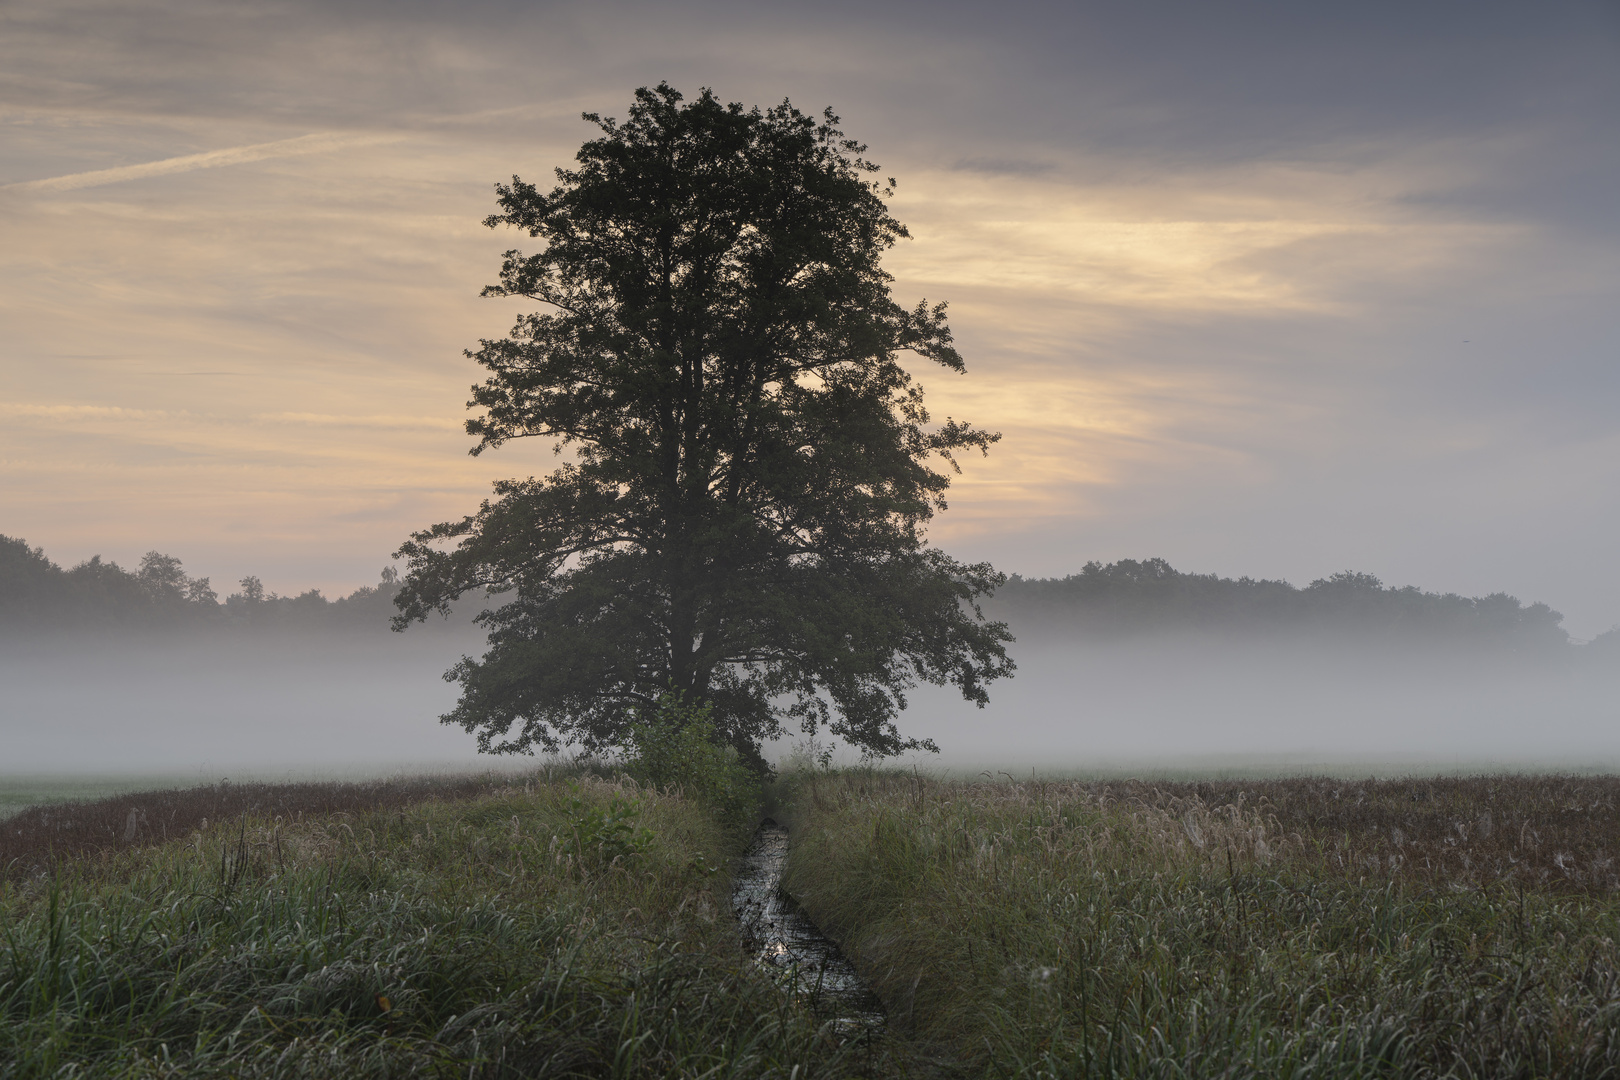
column 1265, row 929
column 572, row 928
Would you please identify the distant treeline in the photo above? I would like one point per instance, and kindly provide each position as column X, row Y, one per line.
column 36, row 593
column 1103, row 600
column 1151, row 596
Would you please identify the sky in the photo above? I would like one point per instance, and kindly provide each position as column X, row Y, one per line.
column 1274, row 289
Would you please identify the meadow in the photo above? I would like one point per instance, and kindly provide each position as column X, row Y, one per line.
column 578, row 923
column 571, row 925
column 1446, row 927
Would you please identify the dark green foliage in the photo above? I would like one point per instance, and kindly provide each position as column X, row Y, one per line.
column 1152, row 596
column 31, row 586
column 678, row 746
column 369, row 607
column 742, row 518
column 605, row 833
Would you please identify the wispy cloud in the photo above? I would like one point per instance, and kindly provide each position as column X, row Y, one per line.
column 1227, row 304
column 318, row 143
column 81, row 412
column 438, row 423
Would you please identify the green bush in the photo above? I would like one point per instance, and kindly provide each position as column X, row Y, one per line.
column 605, row 833
column 678, row 746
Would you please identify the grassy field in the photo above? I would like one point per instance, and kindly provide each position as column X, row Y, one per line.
column 1274, row 928
column 578, row 927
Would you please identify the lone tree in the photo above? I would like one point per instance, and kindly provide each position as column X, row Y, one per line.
column 741, row 521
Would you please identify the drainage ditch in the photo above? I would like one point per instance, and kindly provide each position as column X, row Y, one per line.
column 782, row 938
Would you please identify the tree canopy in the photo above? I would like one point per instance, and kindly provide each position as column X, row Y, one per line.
column 750, row 467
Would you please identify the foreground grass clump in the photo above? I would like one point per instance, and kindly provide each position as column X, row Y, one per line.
column 576, row 928
column 1270, row 929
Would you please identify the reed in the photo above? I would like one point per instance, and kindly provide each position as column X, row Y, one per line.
column 1452, row 927
column 572, row 928
column 36, row 836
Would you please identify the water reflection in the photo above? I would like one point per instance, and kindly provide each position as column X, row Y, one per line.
column 781, row 937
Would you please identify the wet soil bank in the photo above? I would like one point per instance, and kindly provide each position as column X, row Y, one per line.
column 781, row 937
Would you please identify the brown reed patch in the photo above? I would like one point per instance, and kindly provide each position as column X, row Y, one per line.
column 1552, row 833
column 32, row 840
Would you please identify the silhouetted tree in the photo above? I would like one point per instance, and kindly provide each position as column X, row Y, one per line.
column 36, row 593
column 166, row 582
column 742, row 518
column 33, row 589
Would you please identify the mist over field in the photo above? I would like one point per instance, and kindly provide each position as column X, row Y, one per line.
column 1204, row 701
column 328, row 701
column 370, row 702
column 1134, row 666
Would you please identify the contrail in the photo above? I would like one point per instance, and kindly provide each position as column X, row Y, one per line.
column 318, row 143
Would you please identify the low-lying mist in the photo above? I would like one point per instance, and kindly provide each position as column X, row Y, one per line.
column 369, row 702
column 321, row 702
column 1130, row 665
column 1136, row 665
column 1212, row 701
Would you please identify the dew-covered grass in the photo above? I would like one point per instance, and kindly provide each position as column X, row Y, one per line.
column 1274, row 928
column 578, row 927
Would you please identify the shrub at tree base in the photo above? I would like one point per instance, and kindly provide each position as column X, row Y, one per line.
column 679, row 747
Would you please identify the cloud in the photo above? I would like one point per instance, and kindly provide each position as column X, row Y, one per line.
column 384, row 421
column 318, row 143
column 81, row 412
column 438, row 423
column 1265, row 290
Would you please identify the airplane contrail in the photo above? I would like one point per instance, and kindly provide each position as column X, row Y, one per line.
column 319, row 143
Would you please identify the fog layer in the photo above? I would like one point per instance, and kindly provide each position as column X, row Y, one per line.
column 258, row 703
column 1131, row 664
column 347, row 702
column 1216, row 701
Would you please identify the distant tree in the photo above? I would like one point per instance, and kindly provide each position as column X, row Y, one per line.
column 111, row 594
column 162, row 576
column 165, row 581
column 742, row 521
column 33, row 589
column 35, row 592
column 1606, row 646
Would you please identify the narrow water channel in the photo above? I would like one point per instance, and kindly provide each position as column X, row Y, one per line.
column 781, row 937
